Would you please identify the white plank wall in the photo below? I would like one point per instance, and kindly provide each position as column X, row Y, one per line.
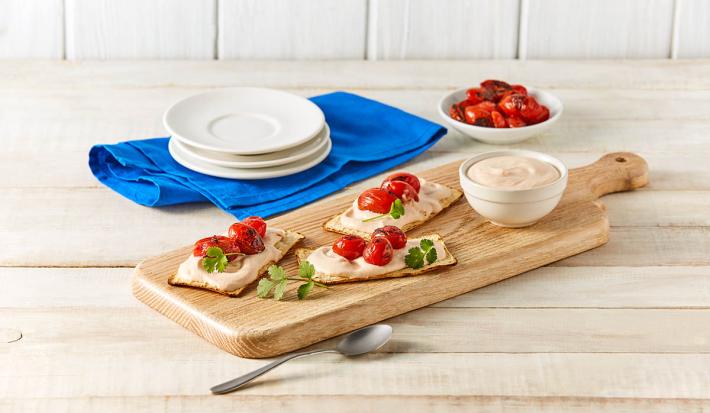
column 432, row 29
column 597, row 29
column 287, row 29
column 31, row 29
column 354, row 29
column 692, row 34
column 141, row 29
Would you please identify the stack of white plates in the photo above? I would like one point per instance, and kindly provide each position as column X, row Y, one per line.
column 247, row 133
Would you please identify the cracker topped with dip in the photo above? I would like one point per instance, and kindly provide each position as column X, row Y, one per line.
column 387, row 254
column 403, row 200
column 228, row 263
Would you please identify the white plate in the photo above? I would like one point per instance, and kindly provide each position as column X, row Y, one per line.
column 188, row 161
column 244, row 121
column 260, row 161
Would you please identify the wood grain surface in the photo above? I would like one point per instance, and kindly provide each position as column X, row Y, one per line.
column 620, row 328
column 251, row 327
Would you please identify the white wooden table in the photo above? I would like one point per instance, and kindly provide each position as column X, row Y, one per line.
column 625, row 327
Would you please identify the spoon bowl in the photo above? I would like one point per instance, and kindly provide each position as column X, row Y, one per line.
column 364, row 340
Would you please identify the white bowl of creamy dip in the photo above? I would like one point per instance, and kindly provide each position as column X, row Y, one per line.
column 513, row 188
column 502, row 136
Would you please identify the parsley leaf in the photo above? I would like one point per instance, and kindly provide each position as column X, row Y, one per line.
column 278, row 281
column 415, row 257
column 431, row 255
column 306, row 270
column 215, row 260
column 277, row 273
column 280, row 289
column 396, row 211
column 264, row 287
column 304, row 289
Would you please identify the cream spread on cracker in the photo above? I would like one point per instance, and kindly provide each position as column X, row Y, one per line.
column 238, row 273
column 430, row 203
column 327, row 262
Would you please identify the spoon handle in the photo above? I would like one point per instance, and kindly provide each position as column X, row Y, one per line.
column 234, row 384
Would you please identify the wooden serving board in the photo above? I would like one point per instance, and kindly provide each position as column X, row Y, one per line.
column 251, row 327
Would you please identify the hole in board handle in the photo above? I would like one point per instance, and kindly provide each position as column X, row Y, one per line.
column 620, row 159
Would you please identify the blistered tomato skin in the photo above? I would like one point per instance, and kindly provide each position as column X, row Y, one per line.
column 257, row 223
column 411, row 179
column 376, row 200
column 515, row 122
column 378, row 252
column 478, row 117
column 512, row 105
column 520, row 89
column 396, row 237
column 401, row 190
column 247, row 238
column 227, row 245
column 349, row 247
column 498, row 120
column 456, row 112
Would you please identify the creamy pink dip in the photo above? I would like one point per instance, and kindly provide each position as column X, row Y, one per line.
column 512, row 172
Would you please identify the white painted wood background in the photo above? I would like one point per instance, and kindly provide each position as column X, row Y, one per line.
column 354, row 29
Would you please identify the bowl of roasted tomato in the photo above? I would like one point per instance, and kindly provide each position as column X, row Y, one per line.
column 500, row 113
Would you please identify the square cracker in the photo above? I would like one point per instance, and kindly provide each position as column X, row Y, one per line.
column 284, row 245
column 335, row 225
column 303, row 253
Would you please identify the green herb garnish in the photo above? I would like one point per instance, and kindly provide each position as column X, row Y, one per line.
column 396, row 211
column 278, row 281
column 215, row 260
column 417, row 255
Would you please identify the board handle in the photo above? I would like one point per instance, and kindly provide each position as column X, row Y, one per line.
column 613, row 172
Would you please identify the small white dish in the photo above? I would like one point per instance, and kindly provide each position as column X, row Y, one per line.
column 502, row 136
column 513, row 208
column 260, row 161
column 188, row 161
column 244, row 120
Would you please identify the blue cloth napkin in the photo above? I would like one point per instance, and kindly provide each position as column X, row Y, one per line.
column 368, row 138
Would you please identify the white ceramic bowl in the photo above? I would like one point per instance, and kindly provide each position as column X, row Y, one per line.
column 502, row 136
column 513, row 207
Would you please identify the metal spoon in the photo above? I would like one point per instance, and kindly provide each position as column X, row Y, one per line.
column 356, row 343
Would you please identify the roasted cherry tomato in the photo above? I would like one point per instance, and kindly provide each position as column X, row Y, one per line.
column 541, row 115
column 515, row 122
column 411, row 179
column 489, row 106
column 257, row 223
column 396, row 237
column 498, row 120
column 533, row 112
column 477, row 95
column 247, row 238
column 512, row 105
column 378, row 251
column 227, row 245
column 456, row 112
column 478, row 117
column 349, row 246
column 401, row 190
column 376, row 200
column 519, row 89
column 496, row 88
